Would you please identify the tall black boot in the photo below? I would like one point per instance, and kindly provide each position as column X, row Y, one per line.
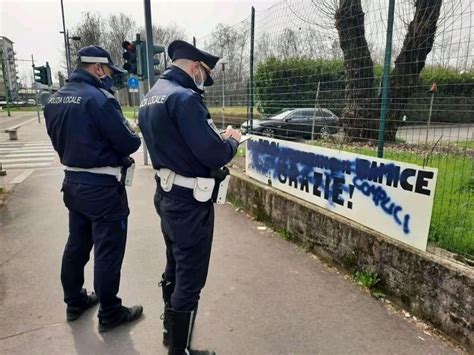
column 180, row 326
column 167, row 288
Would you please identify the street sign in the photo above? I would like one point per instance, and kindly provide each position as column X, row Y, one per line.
column 132, row 90
column 133, row 83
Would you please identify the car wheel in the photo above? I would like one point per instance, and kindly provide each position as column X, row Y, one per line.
column 268, row 132
column 324, row 133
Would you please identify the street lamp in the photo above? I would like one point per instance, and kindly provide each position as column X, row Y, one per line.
column 68, row 65
column 223, row 62
column 68, row 49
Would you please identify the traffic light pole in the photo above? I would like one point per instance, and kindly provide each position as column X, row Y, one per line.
column 149, row 44
column 141, row 94
column 149, row 55
column 36, row 91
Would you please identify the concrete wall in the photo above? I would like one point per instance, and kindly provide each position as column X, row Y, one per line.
column 435, row 289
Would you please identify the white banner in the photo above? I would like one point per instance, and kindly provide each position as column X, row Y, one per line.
column 390, row 197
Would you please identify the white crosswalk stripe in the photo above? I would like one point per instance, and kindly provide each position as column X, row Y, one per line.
column 30, row 155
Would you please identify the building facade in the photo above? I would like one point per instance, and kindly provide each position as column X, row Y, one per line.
column 9, row 72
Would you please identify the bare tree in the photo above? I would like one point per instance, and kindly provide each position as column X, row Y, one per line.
column 230, row 43
column 411, row 60
column 121, row 27
column 264, row 47
column 287, row 44
column 357, row 113
column 91, row 29
column 361, row 112
column 165, row 35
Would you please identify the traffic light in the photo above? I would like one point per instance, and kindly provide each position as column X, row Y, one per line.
column 130, row 56
column 43, row 74
column 120, row 80
column 156, row 51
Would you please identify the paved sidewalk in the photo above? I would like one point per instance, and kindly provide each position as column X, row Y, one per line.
column 263, row 296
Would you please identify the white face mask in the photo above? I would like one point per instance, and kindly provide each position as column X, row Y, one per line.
column 200, row 86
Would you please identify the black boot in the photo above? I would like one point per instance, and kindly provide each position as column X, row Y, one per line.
column 167, row 288
column 74, row 312
column 180, row 327
column 125, row 315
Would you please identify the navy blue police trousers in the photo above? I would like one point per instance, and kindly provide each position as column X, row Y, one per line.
column 97, row 217
column 187, row 227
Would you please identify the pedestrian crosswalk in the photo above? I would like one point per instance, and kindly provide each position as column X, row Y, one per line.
column 29, row 155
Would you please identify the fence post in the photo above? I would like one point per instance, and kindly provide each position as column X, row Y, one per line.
column 316, row 107
column 433, row 91
column 386, row 78
column 251, row 100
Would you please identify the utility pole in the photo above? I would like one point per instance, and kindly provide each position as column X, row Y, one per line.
column 68, row 52
column 66, row 46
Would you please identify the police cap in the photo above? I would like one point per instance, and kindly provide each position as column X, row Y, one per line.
column 183, row 50
column 96, row 54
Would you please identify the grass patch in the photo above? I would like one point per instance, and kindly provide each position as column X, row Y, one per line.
column 283, row 233
column 366, row 278
column 241, row 152
column 240, row 111
column 464, row 144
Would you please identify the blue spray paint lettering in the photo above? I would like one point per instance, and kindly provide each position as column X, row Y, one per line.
column 381, row 199
column 297, row 169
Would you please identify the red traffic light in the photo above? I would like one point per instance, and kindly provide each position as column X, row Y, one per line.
column 129, row 47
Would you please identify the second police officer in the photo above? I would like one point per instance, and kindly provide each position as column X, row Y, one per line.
column 187, row 151
column 94, row 142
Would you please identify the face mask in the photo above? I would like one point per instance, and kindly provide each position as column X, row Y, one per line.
column 200, row 86
column 107, row 83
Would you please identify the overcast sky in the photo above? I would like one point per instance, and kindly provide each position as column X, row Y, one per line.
column 34, row 25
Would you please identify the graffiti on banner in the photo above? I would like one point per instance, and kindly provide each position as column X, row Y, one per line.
column 391, row 197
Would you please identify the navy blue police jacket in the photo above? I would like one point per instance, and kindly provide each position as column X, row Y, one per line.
column 87, row 127
column 178, row 128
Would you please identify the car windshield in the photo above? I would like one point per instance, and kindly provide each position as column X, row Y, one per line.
column 280, row 116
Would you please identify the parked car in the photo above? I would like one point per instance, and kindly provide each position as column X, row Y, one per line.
column 299, row 123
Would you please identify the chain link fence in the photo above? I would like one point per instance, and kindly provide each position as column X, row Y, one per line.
column 318, row 77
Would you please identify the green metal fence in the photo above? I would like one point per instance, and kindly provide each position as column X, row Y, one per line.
column 327, row 71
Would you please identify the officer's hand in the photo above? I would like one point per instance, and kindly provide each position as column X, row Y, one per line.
column 230, row 132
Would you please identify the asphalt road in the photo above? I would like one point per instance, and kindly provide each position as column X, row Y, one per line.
column 444, row 133
column 263, row 296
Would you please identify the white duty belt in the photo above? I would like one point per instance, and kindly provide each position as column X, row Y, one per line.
column 115, row 171
column 203, row 188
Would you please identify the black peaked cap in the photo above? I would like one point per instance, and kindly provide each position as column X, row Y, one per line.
column 183, row 50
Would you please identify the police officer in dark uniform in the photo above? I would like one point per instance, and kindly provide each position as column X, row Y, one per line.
column 188, row 152
column 94, row 141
